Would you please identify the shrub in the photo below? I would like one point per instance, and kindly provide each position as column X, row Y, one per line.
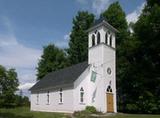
column 91, row 109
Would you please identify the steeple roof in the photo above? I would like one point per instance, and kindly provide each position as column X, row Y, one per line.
column 102, row 22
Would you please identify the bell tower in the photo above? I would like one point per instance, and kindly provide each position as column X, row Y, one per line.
column 100, row 35
column 102, row 58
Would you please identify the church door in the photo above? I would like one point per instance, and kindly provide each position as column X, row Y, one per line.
column 109, row 102
column 109, row 98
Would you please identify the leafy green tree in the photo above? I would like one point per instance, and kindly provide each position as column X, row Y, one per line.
column 139, row 64
column 52, row 59
column 8, row 85
column 12, row 82
column 78, row 44
column 21, row 101
column 26, row 101
column 117, row 18
column 2, row 83
column 151, row 3
column 147, row 58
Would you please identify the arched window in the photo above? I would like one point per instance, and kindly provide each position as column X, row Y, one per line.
column 48, row 97
column 98, row 38
column 93, row 40
column 60, row 96
column 106, row 38
column 81, row 95
column 37, row 98
column 110, row 40
column 109, row 89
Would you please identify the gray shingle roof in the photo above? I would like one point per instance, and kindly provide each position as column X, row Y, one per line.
column 61, row 78
column 99, row 22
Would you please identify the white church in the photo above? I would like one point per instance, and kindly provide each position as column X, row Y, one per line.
column 91, row 83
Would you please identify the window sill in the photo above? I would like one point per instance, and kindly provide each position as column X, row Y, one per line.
column 82, row 103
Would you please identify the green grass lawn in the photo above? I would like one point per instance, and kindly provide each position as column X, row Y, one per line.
column 26, row 113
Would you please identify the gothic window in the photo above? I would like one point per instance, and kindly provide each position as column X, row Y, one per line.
column 93, row 40
column 37, row 98
column 106, row 38
column 60, row 96
column 109, row 89
column 110, row 40
column 98, row 38
column 48, row 97
column 81, row 95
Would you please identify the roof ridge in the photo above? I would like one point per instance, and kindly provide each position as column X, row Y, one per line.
column 66, row 67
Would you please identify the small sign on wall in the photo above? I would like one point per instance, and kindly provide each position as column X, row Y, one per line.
column 93, row 76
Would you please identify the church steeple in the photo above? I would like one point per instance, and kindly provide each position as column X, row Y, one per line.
column 102, row 58
column 101, row 33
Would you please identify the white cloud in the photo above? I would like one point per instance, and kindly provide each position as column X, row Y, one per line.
column 67, row 36
column 133, row 16
column 16, row 55
column 99, row 6
column 64, row 42
column 26, row 75
column 26, row 86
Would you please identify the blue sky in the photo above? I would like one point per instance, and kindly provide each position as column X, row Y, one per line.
column 28, row 25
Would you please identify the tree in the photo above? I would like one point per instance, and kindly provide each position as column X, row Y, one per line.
column 117, row 18
column 139, row 64
column 21, row 101
column 2, row 83
column 78, row 44
column 147, row 58
column 151, row 3
column 52, row 59
column 9, row 84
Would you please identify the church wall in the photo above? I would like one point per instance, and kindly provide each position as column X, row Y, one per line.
column 101, row 57
column 97, row 89
column 94, row 91
column 82, row 81
column 54, row 104
column 110, row 79
column 106, row 60
column 95, row 54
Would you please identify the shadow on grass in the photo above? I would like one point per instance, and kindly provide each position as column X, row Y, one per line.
column 11, row 115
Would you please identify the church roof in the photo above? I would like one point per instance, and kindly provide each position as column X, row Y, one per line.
column 61, row 78
column 97, row 21
column 102, row 21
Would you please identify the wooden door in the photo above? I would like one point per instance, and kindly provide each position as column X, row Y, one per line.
column 110, row 103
